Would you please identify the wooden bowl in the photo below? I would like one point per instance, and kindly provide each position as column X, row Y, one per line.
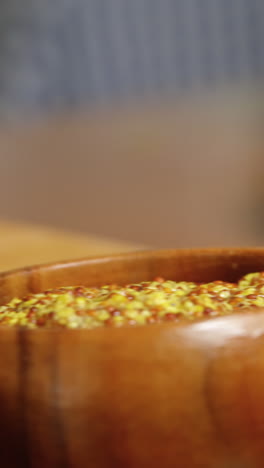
column 189, row 395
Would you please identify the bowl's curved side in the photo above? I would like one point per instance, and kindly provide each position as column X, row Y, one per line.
column 165, row 395
column 179, row 264
column 153, row 396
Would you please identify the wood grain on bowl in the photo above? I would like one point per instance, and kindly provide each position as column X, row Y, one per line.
column 163, row 395
column 198, row 265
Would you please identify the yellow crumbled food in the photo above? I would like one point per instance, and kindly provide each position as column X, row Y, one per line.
column 136, row 304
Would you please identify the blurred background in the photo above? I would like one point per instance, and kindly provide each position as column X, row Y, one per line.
column 139, row 120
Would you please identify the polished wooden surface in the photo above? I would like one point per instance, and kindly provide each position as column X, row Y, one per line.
column 201, row 265
column 162, row 395
column 28, row 244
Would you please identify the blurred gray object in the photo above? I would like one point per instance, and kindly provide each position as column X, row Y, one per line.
column 68, row 54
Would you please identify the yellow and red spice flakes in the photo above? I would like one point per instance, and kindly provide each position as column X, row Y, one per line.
column 136, row 304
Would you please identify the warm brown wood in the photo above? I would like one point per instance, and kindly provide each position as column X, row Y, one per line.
column 183, row 264
column 23, row 243
column 162, row 395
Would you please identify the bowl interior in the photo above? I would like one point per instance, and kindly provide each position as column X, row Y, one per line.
column 180, row 265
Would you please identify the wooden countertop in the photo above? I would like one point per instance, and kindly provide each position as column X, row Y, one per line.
column 22, row 244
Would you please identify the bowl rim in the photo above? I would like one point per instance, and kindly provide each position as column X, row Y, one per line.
column 142, row 253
